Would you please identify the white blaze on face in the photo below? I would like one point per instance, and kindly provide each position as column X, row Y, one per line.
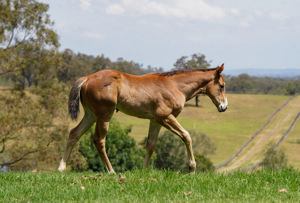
column 223, row 105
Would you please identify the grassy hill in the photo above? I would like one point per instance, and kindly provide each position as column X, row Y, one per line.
column 231, row 129
column 151, row 186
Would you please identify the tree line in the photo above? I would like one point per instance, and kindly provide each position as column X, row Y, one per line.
column 246, row 84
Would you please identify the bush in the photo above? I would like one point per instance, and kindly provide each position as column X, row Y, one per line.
column 203, row 163
column 171, row 152
column 122, row 150
column 275, row 160
column 32, row 129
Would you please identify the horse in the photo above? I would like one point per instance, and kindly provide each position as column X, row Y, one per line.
column 159, row 97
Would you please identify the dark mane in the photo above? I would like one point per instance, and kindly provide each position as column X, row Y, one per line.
column 174, row 72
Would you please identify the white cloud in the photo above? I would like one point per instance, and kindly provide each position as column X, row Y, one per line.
column 189, row 9
column 115, row 9
column 235, row 12
column 200, row 10
column 258, row 13
column 85, row 4
column 278, row 16
column 93, row 35
column 244, row 24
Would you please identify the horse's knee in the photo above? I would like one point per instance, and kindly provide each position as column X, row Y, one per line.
column 98, row 142
column 73, row 136
column 150, row 144
column 186, row 138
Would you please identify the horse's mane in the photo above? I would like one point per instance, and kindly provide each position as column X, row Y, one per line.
column 174, row 72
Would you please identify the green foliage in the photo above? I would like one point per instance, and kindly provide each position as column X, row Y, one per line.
column 246, row 84
column 196, row 61
column 171, row 152
column 203, row 163
column 122, row 150
column 151, row 186
column 29, row 136
column 25, row 21
column 28, row 44
column 275, row 160
column 77, row 65
column 243, row 84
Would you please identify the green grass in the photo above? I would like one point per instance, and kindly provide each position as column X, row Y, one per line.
column 151, row 186
column 229, row 130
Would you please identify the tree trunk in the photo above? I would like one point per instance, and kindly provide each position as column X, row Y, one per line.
column 197, row 100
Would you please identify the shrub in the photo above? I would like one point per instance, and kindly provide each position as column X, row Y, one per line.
column 171, row 152
column 122, row 150
column 274, row 159
column 203, row 163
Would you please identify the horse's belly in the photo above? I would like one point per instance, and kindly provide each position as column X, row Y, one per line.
column 136, row 111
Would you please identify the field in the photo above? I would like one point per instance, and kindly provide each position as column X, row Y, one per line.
column 232, row 129
column 229, row 131
column 151, row 186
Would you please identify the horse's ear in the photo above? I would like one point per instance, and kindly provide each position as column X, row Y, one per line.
column 219, row 70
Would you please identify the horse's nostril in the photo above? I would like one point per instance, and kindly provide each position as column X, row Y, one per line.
column 222, row 108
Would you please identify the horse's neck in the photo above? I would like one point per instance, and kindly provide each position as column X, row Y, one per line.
column 192, row 83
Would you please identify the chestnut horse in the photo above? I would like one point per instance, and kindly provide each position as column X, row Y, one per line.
column 159, row 97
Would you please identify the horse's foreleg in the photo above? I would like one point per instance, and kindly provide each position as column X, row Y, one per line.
column 172, row 124
column 154, row 128
column 74, row 136
column 99, row 141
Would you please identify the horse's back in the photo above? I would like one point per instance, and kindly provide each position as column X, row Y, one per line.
column 141, row 96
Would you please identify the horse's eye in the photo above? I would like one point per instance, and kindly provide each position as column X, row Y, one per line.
column 221, row 86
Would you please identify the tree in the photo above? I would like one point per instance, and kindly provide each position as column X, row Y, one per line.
column 196, row 61
column 122, row 150
column 241, row 84
column 274, row 159
column 31, row 135
column 74, row 66
column 170, row 151
column 127, row 67
column 28, row 44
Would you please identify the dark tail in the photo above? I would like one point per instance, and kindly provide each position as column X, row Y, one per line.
column 74, row 97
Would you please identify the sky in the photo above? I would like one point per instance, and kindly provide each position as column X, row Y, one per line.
column 242, row 34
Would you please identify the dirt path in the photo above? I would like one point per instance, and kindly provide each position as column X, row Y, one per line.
column 270, row 133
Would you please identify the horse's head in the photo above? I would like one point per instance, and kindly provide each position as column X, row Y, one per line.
column 216, row 90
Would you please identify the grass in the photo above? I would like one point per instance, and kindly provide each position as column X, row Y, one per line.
column 151, row 186
column 269, row 136
column 229, row 130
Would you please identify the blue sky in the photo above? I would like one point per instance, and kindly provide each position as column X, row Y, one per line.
column 239, row 33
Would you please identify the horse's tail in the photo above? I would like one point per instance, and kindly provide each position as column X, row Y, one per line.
column 74, row 97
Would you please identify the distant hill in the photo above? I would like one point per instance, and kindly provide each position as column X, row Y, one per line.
column 274, row 73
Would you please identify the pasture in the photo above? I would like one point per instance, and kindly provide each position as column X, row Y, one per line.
column 230, row 130
column 151, row 186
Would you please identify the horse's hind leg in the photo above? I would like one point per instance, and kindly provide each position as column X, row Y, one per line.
column 75, row 135
column 99, row 141
column 154, row 128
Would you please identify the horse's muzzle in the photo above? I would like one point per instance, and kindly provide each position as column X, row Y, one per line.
column 223, row 106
